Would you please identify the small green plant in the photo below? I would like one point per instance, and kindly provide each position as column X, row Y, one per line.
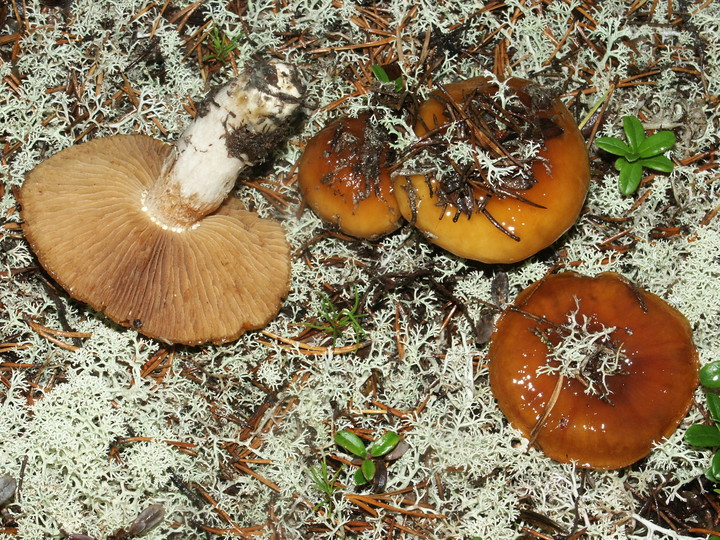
column 382, row 76
column 336, row 321
column 221, row 46
column 704, row 435
column 326, row 484
column 371, row 465
column 639, row 152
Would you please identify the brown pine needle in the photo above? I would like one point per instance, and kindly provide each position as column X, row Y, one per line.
column 306, row 348
column 235, row 530
column 184, row 447
column 11, row 346
column 59, row 333
column 371, row 500
column 546, row 412
column 257, row 476
column 369, row 44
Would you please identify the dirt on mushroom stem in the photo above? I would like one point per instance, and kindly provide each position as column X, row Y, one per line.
column 236, row 127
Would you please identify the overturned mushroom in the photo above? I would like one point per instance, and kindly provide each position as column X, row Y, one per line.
column 143, row 231
column 345, row 178
column 593, row 370
column 518, row 187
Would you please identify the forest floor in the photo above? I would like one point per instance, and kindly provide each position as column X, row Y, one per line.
column 99, row 423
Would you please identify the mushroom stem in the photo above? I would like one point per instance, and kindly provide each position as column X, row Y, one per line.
column 236, row 127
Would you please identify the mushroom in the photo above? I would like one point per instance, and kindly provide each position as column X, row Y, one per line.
column 593, row 370
column 143, row 231
column 344, row 177
column 474, row 211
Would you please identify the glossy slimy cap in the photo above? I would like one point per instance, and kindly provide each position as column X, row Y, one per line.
column 504, row 229
column 645, row 398
column 344, row 177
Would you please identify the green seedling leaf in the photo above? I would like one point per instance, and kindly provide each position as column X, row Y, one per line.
column 382, row 76
column 710, row 375
column 712, row 477
column 630, row 177
column 634, row 132
column 351, row 442
column 368, row 469
column 713, row 401
column 658, row 163
column 327, row 308
column 613, row 145
column 221, row 45
column 713, row 473
column 336, row 321
column 325, row 483
column 380, row 73
column 384, row 444
column 656, row 144
column 359, row 478
column 638, row 153
column 699, row 435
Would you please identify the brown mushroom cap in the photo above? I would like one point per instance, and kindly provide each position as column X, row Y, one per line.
column 344, row 177
column 84, row 219
column 647, row 398
column 561, row 176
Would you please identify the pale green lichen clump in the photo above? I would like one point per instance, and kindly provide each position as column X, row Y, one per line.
column 582, row 348
column 99, row 440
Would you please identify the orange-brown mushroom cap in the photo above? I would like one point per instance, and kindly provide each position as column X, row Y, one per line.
column 647, row 397
column 83, row 216
column 344, row 177
column 504, row 229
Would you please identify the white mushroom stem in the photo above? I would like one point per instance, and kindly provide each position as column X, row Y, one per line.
column 235, row 128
